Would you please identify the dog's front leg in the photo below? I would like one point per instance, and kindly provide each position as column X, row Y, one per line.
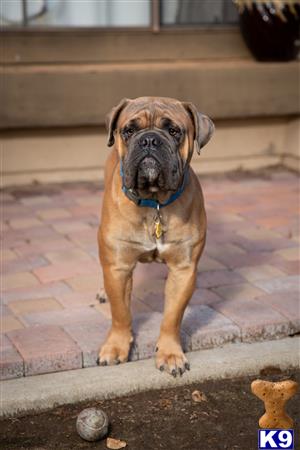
column 118, row 286
column 179, row 289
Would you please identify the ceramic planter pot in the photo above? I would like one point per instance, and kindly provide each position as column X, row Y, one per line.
column 271, row 30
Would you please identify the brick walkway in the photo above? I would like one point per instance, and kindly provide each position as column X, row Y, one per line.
column 247, row 287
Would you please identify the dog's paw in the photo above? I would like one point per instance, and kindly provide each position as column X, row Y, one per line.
column 170, row 357
column 115, row 350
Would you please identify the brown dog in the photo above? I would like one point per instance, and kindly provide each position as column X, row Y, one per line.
column 153, row 210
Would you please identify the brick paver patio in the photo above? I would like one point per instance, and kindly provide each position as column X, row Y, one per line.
column 247, row 287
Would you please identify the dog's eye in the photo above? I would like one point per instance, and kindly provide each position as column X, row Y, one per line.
column 128, row 131
column 173, row 131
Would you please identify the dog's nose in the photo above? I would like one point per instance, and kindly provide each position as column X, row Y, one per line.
column 150, row 140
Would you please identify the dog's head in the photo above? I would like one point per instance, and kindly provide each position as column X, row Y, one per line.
column 155, row 138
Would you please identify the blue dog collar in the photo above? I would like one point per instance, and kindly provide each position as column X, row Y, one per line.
column 150, row 203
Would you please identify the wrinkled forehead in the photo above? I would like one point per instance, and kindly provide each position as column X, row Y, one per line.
column 148, row 114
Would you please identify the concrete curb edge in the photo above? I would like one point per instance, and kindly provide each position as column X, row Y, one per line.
column 42, row 392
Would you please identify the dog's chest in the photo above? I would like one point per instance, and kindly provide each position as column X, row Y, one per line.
column 154, row 251
column 159, row 249
column 153, row 247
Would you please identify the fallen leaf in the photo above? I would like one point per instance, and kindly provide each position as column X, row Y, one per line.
column 199, row 397
column 193, row 416
column 115, row 444
column 165, row 403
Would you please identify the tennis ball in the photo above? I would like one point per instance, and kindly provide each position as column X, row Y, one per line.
column 92, row 424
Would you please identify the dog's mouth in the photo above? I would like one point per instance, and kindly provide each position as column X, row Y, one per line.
column 149, row 175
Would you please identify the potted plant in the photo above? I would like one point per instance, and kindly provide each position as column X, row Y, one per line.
column 270, row 28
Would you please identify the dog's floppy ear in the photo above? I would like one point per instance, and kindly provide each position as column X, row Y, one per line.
column 203, row 126
column 112, row 119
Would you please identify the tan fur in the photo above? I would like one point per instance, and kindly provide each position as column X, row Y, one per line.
column 126, row 237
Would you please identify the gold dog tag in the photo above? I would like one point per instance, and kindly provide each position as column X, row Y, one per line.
column 158, row 228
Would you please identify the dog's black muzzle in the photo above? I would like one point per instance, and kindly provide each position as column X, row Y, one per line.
column 152, row 163
column 149, row 169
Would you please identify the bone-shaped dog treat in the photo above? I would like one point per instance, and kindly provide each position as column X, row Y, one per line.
column 275, row 396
